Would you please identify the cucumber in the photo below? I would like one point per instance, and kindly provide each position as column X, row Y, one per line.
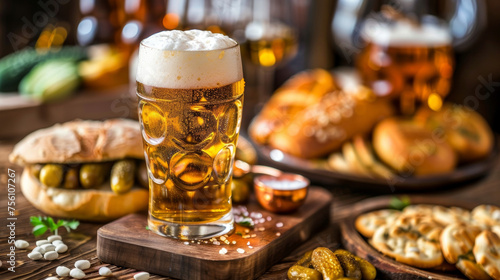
column 15, row 66
column 51, row 80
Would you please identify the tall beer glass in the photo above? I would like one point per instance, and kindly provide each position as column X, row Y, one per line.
column 190, row 88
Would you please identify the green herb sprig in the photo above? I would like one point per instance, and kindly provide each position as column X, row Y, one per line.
column 42, row 224
column 399, row 203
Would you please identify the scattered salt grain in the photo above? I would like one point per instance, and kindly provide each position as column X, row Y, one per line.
column 141, row 276
column 21, row 244
column 105, row 271
column 77, row 273
column 241, row 251
column 62, row 271
column 35, row 255
column 223, row 251
column 82, row 264
column 42, row 242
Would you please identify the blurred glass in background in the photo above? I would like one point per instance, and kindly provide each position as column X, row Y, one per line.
column 404, row 48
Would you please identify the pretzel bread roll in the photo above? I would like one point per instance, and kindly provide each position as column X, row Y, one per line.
column 72, row 144
column 465, row 130
column 323, row 127
column 412, row 148
column 299, row 92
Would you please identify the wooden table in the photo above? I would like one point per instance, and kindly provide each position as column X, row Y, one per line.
column 82, row 243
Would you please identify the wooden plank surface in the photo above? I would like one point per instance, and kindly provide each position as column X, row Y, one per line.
column 485, row 190
column 200, row 260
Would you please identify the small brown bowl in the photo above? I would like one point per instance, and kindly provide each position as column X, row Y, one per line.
column 281, row 194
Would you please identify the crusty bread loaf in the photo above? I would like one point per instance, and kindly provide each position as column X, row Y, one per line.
column 80, row 141
column 100, row 204
column 324, row 126
column 299, row 92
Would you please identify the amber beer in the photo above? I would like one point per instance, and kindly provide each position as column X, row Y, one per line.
column 190, row 108
column 412, row 63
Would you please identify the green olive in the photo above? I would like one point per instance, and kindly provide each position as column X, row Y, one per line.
column 122, row 176
column 71, row 178
column 93, row 174
column 142, row 175
column 35, row 170
column 240, row 191
column 51, row 175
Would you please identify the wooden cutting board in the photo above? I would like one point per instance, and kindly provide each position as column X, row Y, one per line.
column 127, row 242
column 388, row 268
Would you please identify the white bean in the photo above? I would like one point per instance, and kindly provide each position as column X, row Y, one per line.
column 104, row 271
column 53, row 238
column 77, row 273
column 52, row 278
column 62, row 271
column 82, row 264
column 39, row 250
column 21, row 244
column 141, row 276
column 42, row 242
column 61, row 248
column 35, row 255
column 51, row 255
column 48, row 247
column 57, row 242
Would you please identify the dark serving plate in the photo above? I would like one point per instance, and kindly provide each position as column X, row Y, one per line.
column 312, row 170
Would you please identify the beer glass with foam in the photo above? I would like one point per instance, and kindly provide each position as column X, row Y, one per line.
column 407, row 61
column 190, row 88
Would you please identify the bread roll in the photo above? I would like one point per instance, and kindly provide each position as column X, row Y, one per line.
column 412, row 149
column 75, row 143
column 80, row 141
column 299, row 92
column 324, row 126
column 465, row 130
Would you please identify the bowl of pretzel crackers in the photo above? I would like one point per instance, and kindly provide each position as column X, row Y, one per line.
column 427, row 240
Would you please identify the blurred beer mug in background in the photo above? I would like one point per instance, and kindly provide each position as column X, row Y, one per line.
column 403, row 49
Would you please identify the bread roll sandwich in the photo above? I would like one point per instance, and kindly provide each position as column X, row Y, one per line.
column 88, row 170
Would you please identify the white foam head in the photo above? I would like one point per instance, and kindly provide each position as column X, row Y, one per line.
column 403, row 34
column 188, row 59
